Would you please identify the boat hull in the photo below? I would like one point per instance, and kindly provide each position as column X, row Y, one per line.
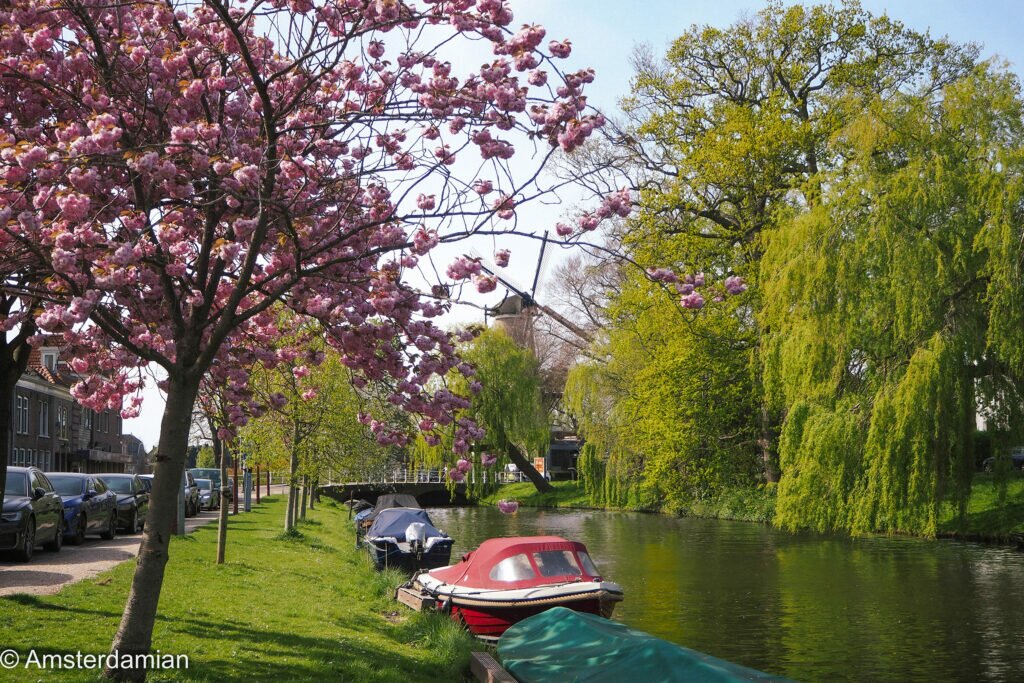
column 490, row 621
column 386, row 554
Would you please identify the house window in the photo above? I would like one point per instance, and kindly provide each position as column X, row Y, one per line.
column 62, row 421
column 44, row 418
column 21, row 414
column 50, row 360
column 87, row 419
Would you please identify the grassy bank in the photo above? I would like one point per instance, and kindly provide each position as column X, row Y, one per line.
column 305, row 608
column 749, row 505
column 986, row 517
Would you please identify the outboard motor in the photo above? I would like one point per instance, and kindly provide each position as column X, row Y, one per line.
column 416, row 536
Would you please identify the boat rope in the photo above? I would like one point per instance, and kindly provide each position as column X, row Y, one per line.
column 469, row 602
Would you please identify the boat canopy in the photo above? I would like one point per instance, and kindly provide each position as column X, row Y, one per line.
column 393, row 522
column 393, row 500
column 519, row 562
column 560, row 644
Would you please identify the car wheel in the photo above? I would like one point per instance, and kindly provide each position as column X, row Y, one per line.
column 133, row 525
column 28, row 544
column 111, row 530
column 57, row 543
column 79, row 536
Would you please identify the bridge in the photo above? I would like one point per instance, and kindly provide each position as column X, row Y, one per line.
column 428, row 485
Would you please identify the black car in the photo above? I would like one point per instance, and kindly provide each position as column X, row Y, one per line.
column 89, row 506
column 1016, row 460
column 132, row 500
column 32, row 513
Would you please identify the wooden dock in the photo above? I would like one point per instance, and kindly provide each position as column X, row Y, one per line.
column 487, row 669
column 417, row 600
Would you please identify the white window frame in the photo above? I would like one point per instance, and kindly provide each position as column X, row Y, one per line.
column 21, row 413
column 44, row 418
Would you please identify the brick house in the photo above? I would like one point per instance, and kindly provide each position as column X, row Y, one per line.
column 55, row 433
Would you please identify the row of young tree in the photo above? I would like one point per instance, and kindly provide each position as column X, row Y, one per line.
column 867, row 181
column 171, row 174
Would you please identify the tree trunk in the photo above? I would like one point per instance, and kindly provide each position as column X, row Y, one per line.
column 305, row 496
column 766, row 444
column 289, row 522
column 313, row 494
column 525, row 466
column 135, row 634
column 13, row 362
column 221, row 449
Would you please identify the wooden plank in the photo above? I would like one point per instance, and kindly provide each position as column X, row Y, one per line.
column 414, row 599
column 487, row 669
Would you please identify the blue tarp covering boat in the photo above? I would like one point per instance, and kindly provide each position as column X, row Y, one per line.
column 561, row 644
column 406, row 538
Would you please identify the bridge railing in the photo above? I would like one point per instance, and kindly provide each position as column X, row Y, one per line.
column 401, row 475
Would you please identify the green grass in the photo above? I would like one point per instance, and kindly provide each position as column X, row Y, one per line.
column 566, row 494
column 986, row 517
column 306, row 607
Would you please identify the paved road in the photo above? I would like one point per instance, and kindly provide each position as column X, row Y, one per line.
column 48, row 572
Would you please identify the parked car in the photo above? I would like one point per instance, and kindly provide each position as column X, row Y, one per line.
column 1016, row 460
column 191, row 489
column 209, row 495
column 32, row 513
column 211, row 473
column 188, row 487
column 132, row 500
column 89, row 506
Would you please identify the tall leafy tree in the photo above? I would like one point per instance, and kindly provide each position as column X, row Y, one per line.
column 893, row 309
column 507, row 400
column 732, row 131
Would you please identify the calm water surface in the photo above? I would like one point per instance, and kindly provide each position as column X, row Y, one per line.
column 807, row 606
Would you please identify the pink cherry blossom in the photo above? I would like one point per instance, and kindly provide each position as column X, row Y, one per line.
column 508, row 507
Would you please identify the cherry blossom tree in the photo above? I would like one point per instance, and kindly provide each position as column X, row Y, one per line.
column 180, row 167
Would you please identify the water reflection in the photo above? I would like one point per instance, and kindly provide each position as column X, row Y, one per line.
column 807, row 606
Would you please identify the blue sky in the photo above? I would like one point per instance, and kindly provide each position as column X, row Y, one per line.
column 604, row 34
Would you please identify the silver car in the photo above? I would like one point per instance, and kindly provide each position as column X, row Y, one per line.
column 209, row 495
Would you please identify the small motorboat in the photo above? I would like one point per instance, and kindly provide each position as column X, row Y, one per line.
column 365, row 516
column 506, row 580
column 405, row 538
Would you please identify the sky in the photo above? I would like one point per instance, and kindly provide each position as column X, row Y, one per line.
column 604, row 34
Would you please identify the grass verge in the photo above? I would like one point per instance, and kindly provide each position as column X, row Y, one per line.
column 306, row 607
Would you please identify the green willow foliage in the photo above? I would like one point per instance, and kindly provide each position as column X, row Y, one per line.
column 509, row 405
column 894, row 305
column 735, row 133
column 671, row 407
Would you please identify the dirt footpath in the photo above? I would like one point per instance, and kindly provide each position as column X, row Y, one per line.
column 48, row 572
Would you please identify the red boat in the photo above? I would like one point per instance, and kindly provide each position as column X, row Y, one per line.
column 506, row 580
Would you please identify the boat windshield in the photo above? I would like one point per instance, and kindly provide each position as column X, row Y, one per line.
column 588, row 564
column 515, row 568
column 556, row 563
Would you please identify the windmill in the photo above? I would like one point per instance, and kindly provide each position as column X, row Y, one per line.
column 518, row 310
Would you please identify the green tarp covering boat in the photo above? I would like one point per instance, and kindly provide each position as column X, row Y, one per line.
column 560, row 645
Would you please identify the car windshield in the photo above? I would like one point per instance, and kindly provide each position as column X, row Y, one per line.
column 205, row 473
column 204, row 484
column 119, row 485
column 15, row 484
column 66, row 486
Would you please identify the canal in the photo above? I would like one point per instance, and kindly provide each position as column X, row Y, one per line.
column 808, row 606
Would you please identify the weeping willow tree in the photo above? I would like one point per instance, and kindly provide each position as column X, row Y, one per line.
column 505, row 399
column 669, row 413
column 893, row 309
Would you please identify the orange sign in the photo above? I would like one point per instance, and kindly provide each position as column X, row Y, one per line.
column 538, row 464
